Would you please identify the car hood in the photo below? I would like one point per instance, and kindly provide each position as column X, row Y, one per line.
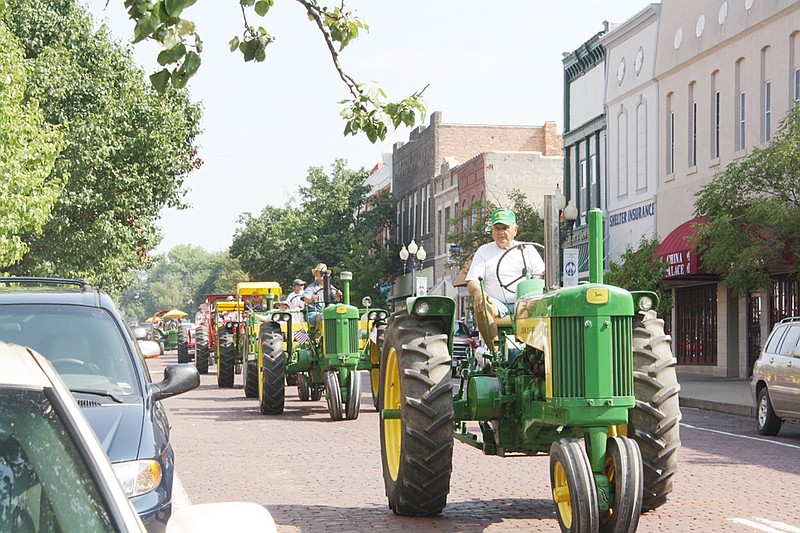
column 118, row 428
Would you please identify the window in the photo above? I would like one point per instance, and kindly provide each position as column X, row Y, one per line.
column 692, row 131
column 693, row 137
column 670, row 136
column 767, row 110
column 741, row 132
column 641, row 145
column 797, row 85
column 696, row 325
column 671, row 156
column 789, row 342
column 584, row 197
column 715, row 145
column 622, row 152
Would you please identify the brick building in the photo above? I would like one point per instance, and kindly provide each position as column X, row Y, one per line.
column 419, row 179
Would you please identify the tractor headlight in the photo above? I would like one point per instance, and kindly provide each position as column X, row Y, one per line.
column 422, row 308
column 366, row 301
column 645, row 303
column 372, row 315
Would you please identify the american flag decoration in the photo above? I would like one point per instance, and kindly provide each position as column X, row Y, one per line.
column 301, row 336
column 373, row 335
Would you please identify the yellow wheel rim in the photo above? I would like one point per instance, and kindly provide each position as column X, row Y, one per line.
column 392, row 429
column 561, row 494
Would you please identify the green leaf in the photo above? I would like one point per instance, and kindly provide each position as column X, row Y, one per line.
column 144, row 27
column 173, row 55
column 175, row 7
column 262, row 6
column 159, row 80
column 234, row 44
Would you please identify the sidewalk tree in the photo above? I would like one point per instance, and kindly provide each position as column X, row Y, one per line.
column 334, row 221
column 752, row 211
column 28, row 150
column 128, row 149
column 165, row 22
column 641, row 269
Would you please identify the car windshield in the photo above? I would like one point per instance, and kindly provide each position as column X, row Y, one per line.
column 44, row 483
column 83, row 344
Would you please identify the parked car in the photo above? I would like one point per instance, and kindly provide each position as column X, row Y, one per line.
column 55, row 475
column 464, row 344
column 776, row 378
column 79, row 330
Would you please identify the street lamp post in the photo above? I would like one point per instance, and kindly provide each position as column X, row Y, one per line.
column 557, row 212
column 415, row 254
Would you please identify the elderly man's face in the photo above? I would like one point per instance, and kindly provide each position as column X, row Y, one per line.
column 504, row 235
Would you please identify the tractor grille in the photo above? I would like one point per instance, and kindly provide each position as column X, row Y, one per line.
column 569, row 357
column 332, row 334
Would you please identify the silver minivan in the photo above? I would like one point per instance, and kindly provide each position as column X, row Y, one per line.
column 776, row 378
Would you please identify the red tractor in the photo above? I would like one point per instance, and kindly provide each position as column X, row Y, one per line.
column 204, row 333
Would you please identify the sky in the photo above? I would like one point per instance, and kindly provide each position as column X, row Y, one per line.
column 264, row 124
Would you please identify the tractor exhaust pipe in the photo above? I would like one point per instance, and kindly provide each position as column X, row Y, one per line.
column 552, row 244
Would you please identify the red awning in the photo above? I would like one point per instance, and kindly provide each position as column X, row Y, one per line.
column 681, row 258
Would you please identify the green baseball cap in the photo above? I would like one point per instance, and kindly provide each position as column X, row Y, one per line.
column 504, row 216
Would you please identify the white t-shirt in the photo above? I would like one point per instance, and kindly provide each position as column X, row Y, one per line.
column 295, row 300
column 484, row 265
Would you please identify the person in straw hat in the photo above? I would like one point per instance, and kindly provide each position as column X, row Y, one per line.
column 314, row 295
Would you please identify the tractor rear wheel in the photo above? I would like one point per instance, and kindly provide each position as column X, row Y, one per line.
column 201, row 349
column 375, row 358
column 417, row 434
column 227, row 359
column 334, row 394
column 654, row 421
column 250, row 369
column 625, row 473
column 574, row 491
column 273, row 360
column 354, row 395
column 183, row 346
column 303, row 388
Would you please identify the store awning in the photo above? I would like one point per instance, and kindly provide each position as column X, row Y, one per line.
column 677, row 251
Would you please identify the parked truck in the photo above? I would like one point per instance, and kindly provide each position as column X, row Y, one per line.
column 584, row 374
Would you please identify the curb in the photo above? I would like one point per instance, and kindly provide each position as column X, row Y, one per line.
column 729, row 408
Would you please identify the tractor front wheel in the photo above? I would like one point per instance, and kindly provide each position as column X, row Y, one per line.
column 416, row 409
column 624, row 471
column 334, row 394
column 654, row 421
column 354, row 395
column 573, row 487
column 250, row 369
column 273, row 391
column 227, row 358
column 375, row 358
column 201, row 349
column 303, row 388
column 183, row 346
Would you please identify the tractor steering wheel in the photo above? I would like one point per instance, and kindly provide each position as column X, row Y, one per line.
column 522, row 246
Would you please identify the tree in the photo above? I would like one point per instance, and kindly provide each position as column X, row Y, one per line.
column 28, row 151
column 641, row 269
column 181, row 279
column 752, row 211
column 473, row 226
column 332, row 223
column 163, row 21
column 129, row 149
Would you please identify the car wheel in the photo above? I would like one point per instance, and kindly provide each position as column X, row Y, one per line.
column 767, row 421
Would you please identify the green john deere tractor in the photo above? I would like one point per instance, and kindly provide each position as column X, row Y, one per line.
column 325, row 360
column 584, row 374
